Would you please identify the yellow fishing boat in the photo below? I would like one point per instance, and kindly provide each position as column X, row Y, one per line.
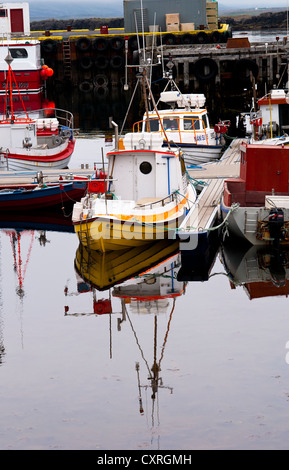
column 148, row 195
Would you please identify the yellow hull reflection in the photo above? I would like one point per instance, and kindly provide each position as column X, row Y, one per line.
column 104, row 270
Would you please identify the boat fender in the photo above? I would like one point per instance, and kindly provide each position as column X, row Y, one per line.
column 83, row 44
column 188, row 38
column 169, row 39
column 101, row 91
column 56, row 140
column 202, row 38
column 86, row 63
column 49, row 46
column 86, row 86
column 215, row 37
column 101, row 62
column 39, row 177
column 116, row 43
column 100, row 44
column 100, row 80
column 205, row 69
column 116, row 62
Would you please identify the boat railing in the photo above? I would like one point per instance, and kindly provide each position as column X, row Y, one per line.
column 162, row 202
column 64, row 117
column 195, row 128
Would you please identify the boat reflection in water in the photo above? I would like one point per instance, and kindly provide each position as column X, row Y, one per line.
column 106, row 269
column 263, row 271
column 143, row 281
column 26, row 228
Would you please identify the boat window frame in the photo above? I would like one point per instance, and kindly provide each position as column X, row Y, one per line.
column 195, row 123
column 173, row 126
column 145, row 168
column 152, row 128
column 14, row 50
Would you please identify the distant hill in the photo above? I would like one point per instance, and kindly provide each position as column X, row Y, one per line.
column 262, row 21
column 54, row 15
column 80, row 23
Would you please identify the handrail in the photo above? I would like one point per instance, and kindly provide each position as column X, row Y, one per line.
column 171, row 198
column 139, row 125
column 64, row 117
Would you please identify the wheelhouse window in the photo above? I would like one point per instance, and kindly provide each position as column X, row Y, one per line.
column 3, row 13
column 196, row 122
column 192, row 123
column 154, row 125
column 170, row 124
column 18, row 53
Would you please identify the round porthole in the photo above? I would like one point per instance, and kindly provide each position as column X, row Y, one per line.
column 145, row 168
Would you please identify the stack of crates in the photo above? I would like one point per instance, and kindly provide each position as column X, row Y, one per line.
column 212, row 15
column 173, row 21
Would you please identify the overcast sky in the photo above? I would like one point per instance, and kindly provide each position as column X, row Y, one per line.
column 119, row 3
column 231, row 3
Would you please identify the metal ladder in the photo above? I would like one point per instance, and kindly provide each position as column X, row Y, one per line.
column 66, row 58
column 252, row 269
column 250, row 223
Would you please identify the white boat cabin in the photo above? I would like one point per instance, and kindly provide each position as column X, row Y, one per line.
column 186, row 121
column 272, row 117
column 26, row 54
column 144, row 171
column 14, row 19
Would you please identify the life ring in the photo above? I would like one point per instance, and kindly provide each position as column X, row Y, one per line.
column 86, row 86
column 86, row 62
column 49, row 45
column 116, row 43
column 169, row 39
column 215, row 37
column 100, row 81
column 188, row 38
column 116, row 62
column 83, row 44
column 101, row 62
column 100, row 44
column 205, row 69
column 243, row 69
column 202, row 37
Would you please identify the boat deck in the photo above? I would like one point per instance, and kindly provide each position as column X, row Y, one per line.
column 203, row 215
column 18, row 178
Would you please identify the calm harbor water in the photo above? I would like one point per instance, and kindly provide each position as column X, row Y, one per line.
column 152, row 363
column 73, row 379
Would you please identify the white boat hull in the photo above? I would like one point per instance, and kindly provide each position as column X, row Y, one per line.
column 244, row 223
column 198, row 154
column 28, row 165
column 38, row 159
